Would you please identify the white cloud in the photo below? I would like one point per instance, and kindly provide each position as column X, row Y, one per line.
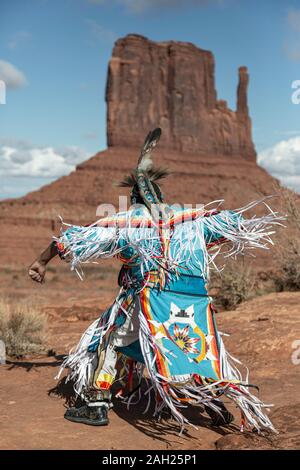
column 283, row 161
column 19, row 158
column 12, row 76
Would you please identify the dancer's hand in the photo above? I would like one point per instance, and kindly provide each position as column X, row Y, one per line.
column 37, row 271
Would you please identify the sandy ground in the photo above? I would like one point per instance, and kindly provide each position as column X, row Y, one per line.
column 262, row 335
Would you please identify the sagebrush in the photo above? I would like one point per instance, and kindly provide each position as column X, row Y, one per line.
column 22, row 328
column 287, row 251
column 233, row 285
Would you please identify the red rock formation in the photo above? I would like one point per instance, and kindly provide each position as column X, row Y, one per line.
column 207, row 146
column 172, row 85
column 242, row 104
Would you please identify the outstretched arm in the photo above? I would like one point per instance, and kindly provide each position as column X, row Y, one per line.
column 79, row 244
column 213, row 228
column 37, row 269
column 219, row 225
column 243, row 233
column 104, row 239
column 109, row 237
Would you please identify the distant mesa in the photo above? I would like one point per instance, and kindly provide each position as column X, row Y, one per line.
column 172, row 85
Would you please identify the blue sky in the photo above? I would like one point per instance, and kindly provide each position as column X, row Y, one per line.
column 54, row 56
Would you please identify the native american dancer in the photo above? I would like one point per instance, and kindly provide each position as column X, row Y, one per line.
column 161, row 325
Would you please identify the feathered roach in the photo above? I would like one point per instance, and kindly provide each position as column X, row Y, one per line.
column 155, row 174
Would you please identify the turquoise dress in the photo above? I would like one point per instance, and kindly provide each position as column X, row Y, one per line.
column 165, row 268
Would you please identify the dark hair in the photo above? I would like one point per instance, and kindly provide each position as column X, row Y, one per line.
column 136, row 198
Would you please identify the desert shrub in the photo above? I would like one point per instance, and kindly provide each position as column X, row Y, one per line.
column 233, row 285
column 22, row 328
column 288, row 259
column 287, row 250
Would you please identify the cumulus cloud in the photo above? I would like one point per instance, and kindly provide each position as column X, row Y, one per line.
column 283, row 161
column 19, row 158
column 12, row 77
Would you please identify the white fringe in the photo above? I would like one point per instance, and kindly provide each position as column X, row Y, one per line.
column 82, row 362
column 87, row 244
column 250, row 405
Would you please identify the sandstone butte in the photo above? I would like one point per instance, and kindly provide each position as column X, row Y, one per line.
column 207, row 146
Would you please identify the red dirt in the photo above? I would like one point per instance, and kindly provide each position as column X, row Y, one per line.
column 218, row 162
column 262, row 333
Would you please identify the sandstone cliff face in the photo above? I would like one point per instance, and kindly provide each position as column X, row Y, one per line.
column 172, row 85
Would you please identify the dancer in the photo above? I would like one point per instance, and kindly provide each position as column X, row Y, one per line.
column 159, row 337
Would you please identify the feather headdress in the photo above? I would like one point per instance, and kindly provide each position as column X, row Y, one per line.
column 155, row 174
column 145, row 173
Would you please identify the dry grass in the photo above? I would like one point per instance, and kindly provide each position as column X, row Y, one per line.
column 237, row 281
column 233, row 285
column 22, row 328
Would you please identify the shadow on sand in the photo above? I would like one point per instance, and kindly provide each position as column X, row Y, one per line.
column 164, row 429
column 29, row 365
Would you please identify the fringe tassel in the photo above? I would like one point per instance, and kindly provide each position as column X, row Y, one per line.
column 208, row 229
column 231, row 386
column 87, row 244
column 82, row 362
